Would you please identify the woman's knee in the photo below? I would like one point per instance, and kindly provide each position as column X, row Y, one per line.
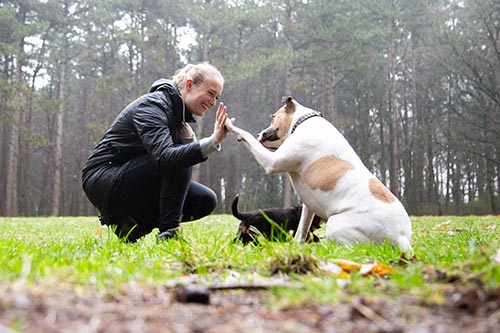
column 209, row 201
column 212, row 200
column 200, row 202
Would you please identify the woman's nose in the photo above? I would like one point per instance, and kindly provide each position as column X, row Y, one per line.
column 213, row 101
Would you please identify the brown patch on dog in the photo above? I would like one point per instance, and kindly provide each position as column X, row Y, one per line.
column 281, row 122
column 277, row 132
column 326, row 172
column 380, row 192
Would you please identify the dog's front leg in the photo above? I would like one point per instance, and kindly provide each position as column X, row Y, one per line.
column 304, row 224
column 270, row 161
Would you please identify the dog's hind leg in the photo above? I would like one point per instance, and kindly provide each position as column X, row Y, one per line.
column 305, row 222
column 343, row 230
column 349, row 229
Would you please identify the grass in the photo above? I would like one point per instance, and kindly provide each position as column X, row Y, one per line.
column 76, row 253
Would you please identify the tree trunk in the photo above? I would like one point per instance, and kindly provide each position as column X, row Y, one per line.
column 3, row 147
column 490, row 164
column 393, row 127
column 383, row 158
column 58, row 161
column 11, row 204
column 27, row 206
column 408, row 124
column 11, row 193
column 418, row 142
column 457, row 186
column 286, row 183
column 56, row 192
column 431, row 181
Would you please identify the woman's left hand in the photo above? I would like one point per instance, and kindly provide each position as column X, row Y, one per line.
column 220, row 132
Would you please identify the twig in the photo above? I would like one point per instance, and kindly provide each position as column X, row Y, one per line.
column 495, row 316
column 373, row 316
column 261, row 286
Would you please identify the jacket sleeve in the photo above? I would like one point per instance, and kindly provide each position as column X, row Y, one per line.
column 152, row 125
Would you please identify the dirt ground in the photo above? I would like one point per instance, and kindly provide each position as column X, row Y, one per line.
column 161, row 309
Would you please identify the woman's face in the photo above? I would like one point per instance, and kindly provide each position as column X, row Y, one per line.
column 200, row 98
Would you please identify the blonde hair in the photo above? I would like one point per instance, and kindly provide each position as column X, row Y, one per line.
column 196, row 72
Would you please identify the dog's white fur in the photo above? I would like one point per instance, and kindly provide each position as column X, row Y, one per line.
column 329, row 178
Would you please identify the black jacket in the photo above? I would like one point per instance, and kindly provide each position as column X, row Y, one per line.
column 149, row 125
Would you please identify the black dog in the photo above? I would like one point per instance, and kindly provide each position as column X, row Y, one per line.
column 286, row 219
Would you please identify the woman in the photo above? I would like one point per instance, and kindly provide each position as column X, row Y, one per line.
column 139, row 175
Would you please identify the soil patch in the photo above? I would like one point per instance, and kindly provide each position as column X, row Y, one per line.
column 148, row 309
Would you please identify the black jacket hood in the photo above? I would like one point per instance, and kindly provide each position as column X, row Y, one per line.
column 171, row 89
column 164, row 84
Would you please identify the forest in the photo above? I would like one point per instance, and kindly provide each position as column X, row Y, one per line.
column 412, row 84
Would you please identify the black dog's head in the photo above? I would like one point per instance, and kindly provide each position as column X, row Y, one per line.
column 275, row 224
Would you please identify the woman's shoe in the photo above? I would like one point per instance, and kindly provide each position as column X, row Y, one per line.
column 174, row 233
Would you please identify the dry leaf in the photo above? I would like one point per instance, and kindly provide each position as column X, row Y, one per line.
column 443, row 225
column 377, row 269
column 343, row 268
column 330, row 267
column 347, row 265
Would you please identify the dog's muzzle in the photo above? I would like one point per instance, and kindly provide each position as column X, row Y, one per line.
column 270, row 134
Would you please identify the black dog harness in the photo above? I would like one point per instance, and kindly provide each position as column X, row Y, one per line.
column 304, row 118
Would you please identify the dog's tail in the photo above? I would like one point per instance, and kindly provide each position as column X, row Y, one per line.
column 234, row 208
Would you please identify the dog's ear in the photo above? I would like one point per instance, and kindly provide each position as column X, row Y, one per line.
column 285, row 99
column 289, row 104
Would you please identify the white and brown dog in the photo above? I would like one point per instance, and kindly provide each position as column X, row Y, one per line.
column 329, row 178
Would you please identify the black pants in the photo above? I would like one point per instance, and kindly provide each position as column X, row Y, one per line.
column 155, row 199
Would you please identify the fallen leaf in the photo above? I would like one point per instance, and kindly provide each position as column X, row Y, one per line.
column 343, row 268
column 347, row 265
column 443, row 225
column 330, row 267
column 377, row 269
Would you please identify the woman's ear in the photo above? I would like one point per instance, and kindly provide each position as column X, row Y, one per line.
column 189, row 84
